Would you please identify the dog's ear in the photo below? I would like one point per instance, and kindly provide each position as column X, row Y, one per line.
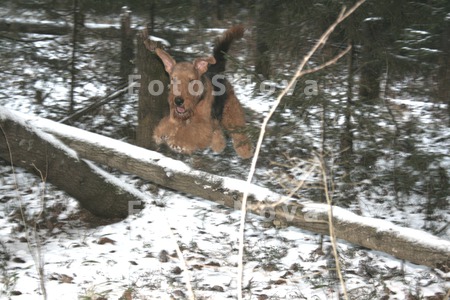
column 167, row 60
column 201, row 64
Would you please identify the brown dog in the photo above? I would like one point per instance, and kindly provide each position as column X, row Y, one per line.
column 203, row 104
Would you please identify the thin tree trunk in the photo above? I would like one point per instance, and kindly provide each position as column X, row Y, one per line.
column 347, row 134
column 127, row 44
column 267, row 21
column 151, row 23
column 444, row 68
column 73, row 63
column 371, row 66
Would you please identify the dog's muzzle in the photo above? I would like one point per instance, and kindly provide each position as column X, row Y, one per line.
column 179, row 105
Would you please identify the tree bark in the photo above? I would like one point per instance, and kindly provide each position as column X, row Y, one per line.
column 346, row 138
column 153, row 93
column 267, row 22
column 73, row 61
column 409, row 244
column 444, row 68
column 371, row 66
column 127, row 44
column 26, row 146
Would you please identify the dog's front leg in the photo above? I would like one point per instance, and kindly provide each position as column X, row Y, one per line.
column 165, row 131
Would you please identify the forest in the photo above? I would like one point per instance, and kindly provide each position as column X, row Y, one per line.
column 347, row 194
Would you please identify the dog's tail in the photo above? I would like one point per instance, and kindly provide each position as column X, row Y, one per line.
column 221, row 46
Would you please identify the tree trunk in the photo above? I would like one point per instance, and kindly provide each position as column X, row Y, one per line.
column 346, row 138
column 26, row 146
column 203, row 11
column 153, row 93
column 73, row 62
column 151, row 15
column 444, row 68
column 413, row 245
column 127, row 44
column 267, row 22
column 371, row 66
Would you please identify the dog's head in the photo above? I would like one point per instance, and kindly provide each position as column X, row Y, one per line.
column 186, row 85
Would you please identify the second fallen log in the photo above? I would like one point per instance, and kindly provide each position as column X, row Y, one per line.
column 29, row 147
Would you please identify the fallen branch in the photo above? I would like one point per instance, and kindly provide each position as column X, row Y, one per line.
column 38, row 27
column 81, row 112
column 54, row 28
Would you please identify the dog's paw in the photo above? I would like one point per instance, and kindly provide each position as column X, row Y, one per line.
column 218, row 142
column 159, row 139
column 180, row 148
column 176, row 148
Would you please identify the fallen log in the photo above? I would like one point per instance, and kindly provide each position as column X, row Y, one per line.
column 26, row 146
column 53, row 28
column 37, row 27
column 413, row 245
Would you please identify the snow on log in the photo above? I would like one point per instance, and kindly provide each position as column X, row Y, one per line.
column 24, row 145
column 413, row 245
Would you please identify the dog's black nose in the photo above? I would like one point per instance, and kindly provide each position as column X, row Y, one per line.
column 179, row 101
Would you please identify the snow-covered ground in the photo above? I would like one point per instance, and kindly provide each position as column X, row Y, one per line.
column 77, row 256
column 138, row 253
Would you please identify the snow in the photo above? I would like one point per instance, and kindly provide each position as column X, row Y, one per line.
column 373, row 19
column 158, row 39
column 281, row 263
column 117, row 182
column 7, row 114
column 409, row 234
column 205, row 231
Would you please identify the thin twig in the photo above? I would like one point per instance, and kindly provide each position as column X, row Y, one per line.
column 37, row 256
column 323, row 39
column 328, row 197
column 183, row 262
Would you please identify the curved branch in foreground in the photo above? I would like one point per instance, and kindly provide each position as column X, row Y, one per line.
column 299, row 73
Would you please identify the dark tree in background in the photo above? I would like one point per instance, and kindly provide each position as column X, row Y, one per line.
column 127, row 44
column 153, row 106
column 73, row 65
column 267, row 20
column 443, row 76
column 371, row 64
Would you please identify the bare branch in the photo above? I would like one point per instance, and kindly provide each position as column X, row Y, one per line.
column 328, row 63
column 299, row 73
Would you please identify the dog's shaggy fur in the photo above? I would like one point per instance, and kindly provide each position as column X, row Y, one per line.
column 203, row 104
